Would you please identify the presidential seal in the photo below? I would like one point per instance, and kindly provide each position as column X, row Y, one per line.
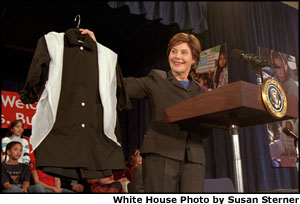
column 274, row 98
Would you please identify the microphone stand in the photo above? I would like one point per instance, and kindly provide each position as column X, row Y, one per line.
column 259, row 76
column 257, row 70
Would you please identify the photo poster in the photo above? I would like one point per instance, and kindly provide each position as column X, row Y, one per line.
column 283, row 148
column 212, row 69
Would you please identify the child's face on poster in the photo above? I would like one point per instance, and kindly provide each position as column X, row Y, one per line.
column 222, row 60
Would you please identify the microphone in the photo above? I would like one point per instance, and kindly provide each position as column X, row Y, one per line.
column 290, row 133
column 256, row 61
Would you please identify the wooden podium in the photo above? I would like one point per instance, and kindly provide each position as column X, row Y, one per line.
column 235, row 105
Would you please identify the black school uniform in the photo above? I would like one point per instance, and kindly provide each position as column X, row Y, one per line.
column 76, row 146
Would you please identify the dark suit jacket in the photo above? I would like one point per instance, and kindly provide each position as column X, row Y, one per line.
column 169, row 140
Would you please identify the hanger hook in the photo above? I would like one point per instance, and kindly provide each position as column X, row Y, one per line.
column 78, row 20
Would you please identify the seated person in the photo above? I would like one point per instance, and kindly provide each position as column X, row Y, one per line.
column 73, row 185
column 105, row 185
column 50, row 184
column 15, row 133
column 122, row 177
column 136, row 184
column 15, row 176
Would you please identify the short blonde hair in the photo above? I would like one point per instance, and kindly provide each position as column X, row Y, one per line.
column 192, row 42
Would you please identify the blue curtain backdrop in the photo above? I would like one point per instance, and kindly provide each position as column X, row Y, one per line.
column 242, row 25
column 245, row 26
column 187, row 14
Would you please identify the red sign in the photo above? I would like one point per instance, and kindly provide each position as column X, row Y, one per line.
column 13, row 109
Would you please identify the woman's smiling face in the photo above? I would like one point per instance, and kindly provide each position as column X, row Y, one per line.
column 181, row 59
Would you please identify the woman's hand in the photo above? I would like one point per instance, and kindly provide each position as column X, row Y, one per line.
column 90, row 33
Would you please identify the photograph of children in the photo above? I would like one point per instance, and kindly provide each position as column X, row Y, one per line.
column 212, row 70
column 283, row 150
